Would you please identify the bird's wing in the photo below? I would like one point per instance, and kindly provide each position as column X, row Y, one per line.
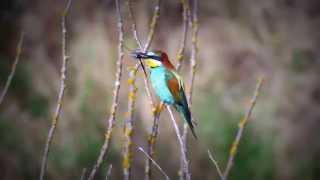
column 175, row 84
column 176, row 87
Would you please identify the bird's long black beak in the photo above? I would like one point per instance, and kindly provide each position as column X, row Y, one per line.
column 139, row 55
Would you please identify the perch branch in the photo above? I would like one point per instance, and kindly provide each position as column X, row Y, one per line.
column 193, row 64
column 57, row 112
column 154, row 132
column 152, row 140
column 182, row 147
column 136, row 37
column 155, row 110
column 155, row 163
column 242, row 124
column 112, row 117
column 13, row 68
column 153, row 25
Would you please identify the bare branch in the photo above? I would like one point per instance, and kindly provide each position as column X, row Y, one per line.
column 13, row 68
column 57, row 112
column 153, row 25
column 242, row 124
column 128, row 126
column 152, row 140
column 186, row 19
column 155, row 110
column 194, row 54
column 215, row 164
column 112, row 117
column 194, row 49
column 155, row 163
column 134, row 25
column 136, row 37
column 182, row 147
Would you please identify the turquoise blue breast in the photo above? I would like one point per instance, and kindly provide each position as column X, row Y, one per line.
column 159, row 77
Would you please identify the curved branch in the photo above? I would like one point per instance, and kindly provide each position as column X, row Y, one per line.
column 112, row 118
column 13, row 68
column 186, row 19
column 242, row 124
column 57, row 112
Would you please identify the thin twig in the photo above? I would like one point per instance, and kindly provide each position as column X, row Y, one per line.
column 128, row 126
column 112, row 117
column 155, row 163
column 182, row 147
column 242, row 124
column 134, row 25
column 150, row 37
column 155, row 110
column 194, row 48
column 215, row 164
column 57, row 112
column 152, row 140
column 193, row 64
column 108, row 175
column 13, row 68
column 83, row 174
column 186, row 18
column 153, row 25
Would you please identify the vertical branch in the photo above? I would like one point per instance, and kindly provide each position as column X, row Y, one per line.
column 112, row 116
column 128, row 127
column 57, row 112
column 152, row 140
column 242, row 124
column 182, row 147
column 193, row 59
column 194, row 48
column 136, row 37
column 13, row 68
column 186, row 18
column 153, row 25
column 134, row 25
column 155, row 110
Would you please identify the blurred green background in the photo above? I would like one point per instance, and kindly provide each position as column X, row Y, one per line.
column 238, row 41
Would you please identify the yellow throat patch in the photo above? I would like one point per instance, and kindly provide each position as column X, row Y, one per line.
column 152, row 63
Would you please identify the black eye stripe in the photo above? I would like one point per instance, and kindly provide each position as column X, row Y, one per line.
column 155, row 58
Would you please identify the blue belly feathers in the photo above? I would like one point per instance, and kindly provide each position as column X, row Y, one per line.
column 159, row 77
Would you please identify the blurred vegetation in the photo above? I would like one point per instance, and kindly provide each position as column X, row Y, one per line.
column 239, row 40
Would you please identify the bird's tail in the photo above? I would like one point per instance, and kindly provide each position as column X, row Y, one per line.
column 186, row 114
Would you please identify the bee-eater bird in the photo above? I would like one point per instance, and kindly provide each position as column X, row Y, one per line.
column 166, row 82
